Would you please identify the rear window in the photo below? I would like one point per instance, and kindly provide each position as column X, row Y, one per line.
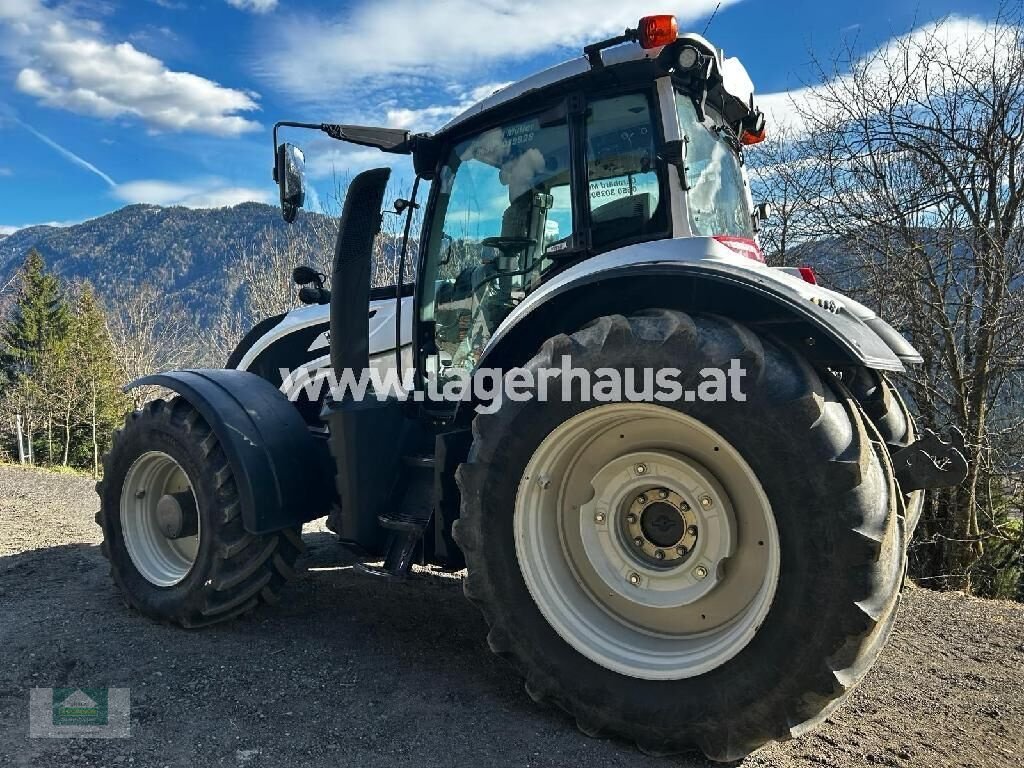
column 626, row 200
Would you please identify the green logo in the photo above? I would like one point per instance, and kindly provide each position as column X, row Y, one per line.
column 80, row 706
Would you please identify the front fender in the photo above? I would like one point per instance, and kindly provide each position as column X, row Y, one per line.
column 283, row 472
column 701, row 275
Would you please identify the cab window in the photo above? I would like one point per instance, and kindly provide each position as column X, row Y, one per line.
column 626, row 200
column 503, row 205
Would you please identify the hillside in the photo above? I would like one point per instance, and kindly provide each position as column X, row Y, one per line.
column 184, row 251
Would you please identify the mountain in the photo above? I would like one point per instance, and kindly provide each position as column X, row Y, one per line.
column 182, row 251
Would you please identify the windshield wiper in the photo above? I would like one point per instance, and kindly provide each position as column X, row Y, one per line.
column 723, row 131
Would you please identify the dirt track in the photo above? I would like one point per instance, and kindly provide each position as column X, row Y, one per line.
column 347, row 671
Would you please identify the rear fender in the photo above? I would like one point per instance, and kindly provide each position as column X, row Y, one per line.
column 283, row 472
column 700, row 275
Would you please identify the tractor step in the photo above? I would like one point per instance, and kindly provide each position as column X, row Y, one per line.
column 416, row 504
column 398, row 561
column 407, row 524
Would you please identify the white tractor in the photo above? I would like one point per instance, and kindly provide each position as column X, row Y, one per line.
column 674, row 571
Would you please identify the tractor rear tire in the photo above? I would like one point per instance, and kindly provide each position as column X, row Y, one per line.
column 888, row 411
column 831, row 513
column 196, row 565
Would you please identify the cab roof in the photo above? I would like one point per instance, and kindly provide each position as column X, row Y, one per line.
column 735, row 79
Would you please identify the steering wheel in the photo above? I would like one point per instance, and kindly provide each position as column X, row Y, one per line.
column 506, row 244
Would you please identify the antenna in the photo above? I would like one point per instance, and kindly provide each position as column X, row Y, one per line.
column 713, row 14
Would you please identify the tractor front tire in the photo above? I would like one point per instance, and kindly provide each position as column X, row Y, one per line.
column 172, row 523
column 783, row 585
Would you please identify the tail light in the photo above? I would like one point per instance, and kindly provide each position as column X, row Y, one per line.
column 744, row 246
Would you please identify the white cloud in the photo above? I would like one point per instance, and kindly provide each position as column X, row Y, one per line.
column 376, row 46
column 201, row 193
column 64, row 63
column 344, row 161
column 963, row 37
column 256, row 6
column 433, row 116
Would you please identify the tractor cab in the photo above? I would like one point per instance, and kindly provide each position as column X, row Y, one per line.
column 639, row 140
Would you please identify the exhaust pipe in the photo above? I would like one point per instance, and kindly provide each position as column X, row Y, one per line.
column 365, row 437
column 350, row 276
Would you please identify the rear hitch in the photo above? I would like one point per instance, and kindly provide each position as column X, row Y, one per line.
column 931, row 462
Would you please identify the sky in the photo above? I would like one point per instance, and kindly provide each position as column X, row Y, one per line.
column 104, row 103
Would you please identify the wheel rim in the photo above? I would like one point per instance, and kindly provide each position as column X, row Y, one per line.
column 646, row 541
column 159, row 520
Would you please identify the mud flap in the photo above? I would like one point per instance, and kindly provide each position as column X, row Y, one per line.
column 284, row 473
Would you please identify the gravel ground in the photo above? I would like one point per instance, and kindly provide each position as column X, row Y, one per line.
column 348, row 671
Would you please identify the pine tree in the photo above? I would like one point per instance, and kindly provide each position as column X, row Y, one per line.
column 30, row 344
column 100, row 402
column 40, row 319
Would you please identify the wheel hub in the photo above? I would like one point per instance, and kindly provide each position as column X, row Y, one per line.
column 644, row 536
column 661, row 526
column 177, row 515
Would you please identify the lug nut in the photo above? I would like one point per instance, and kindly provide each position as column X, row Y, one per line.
column 662, row 494
column 692, row 530
column 681, row 551
column 544, row 482
column 700, row 572
column 599, row 517
column 631, row 518
column 639, row 542
column 659, row 555
column 641, row 469
column 634, row 579
column 706, row 502
column 641, row 499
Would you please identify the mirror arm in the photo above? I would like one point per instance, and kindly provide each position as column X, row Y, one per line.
column 394, row 140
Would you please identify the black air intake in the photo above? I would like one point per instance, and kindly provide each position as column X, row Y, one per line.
column 350, row 278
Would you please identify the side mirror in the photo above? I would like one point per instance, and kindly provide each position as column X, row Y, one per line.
column 290, row 175
column 765, row 211
column 304, row 275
